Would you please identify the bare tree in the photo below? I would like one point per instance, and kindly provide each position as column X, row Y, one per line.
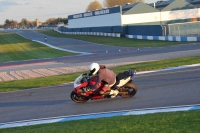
column 10, row 23
column 14, row 23
column 94, row 5
column 32, row 23
column 48, row 21
column 24, row 22
column 7, row 23
column 55, row 21
column 110, row 3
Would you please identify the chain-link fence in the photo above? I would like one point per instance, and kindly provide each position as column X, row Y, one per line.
column 184, row 29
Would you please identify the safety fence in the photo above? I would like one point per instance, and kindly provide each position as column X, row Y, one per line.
column 188, row 31
column 184, row 29
column 103, row 29
column 166, row 38
column 163, row 38
column 93, row 33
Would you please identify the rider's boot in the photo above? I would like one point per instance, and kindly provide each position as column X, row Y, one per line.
column 113, row 93
column 105, row 91
column 106, row 94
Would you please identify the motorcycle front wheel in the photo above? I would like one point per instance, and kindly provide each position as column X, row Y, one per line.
column 78, row 98
column 131, row 89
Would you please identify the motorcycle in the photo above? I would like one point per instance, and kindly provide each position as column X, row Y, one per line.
column 45, row 39
column 124, row 84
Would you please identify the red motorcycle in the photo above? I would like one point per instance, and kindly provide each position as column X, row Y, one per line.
column 124, row 84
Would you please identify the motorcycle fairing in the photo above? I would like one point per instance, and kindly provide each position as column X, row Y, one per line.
column 123, row 81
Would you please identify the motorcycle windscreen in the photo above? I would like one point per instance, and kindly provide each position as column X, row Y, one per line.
column 77, row 81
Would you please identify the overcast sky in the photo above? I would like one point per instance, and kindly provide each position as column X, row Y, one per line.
column 42, row 9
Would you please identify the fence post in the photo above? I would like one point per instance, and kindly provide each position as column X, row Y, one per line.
column 198, row 30
column 178, row 29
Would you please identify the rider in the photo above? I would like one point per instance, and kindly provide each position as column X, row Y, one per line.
column 103, row 75
column 45, row 38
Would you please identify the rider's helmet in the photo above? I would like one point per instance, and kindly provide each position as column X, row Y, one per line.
column 94, row 68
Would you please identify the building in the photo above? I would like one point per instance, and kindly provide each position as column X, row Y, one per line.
column 38, row 23
column 138, row 18
column 179, row 11
column 140, row 14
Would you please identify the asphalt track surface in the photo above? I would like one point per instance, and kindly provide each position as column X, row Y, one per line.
column 16, row 70
column 169, row 88
column 113, row 51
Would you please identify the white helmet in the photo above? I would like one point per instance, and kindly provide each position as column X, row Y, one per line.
column 94, row 68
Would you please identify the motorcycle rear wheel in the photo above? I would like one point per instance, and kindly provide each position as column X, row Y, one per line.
column 132, row 90
column 78, row 98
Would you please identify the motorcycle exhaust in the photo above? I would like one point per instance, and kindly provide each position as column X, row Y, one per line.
column 123, row 93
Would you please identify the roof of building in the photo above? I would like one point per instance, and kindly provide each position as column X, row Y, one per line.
column 194, row 2
column 179, row 5
column 128, row 6
column 140, row 8
column 159, row 4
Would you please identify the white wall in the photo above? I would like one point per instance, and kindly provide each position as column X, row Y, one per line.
column 179, row 14
column 141, row 18
column 96, row 21
column 198, row 12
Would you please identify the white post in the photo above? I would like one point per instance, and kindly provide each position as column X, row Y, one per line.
column 179, row 30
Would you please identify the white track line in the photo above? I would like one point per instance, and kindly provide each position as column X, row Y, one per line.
column 99, row 115
column 66, row 50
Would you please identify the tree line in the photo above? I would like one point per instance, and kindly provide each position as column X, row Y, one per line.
column 26, row 23
column 95, row 5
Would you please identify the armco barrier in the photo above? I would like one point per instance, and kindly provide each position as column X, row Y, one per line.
column 167, row 38
column 92, row 33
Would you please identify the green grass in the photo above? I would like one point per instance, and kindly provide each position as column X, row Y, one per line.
column 14, row 47
column 175, row 122
column 125, row 42
column 56, row 80
column 155, row 65
column 37, row 82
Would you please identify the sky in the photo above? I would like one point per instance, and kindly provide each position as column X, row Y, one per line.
column 43, row 9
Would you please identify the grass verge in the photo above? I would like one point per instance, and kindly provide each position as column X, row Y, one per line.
column 14, row 47
column 55, row 80
column 125, row 42
column 175, row 122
